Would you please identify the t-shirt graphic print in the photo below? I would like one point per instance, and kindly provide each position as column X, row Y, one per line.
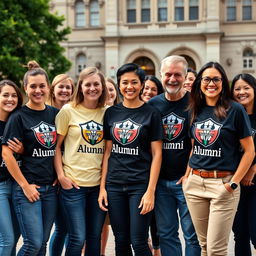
column 207, row 132
column 92, row 132
column 45, row 134
column 125, row 132
column 173, row 125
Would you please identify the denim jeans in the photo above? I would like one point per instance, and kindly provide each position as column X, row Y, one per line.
column 169, row 201
column 129, row 226
column 9, row 228
column 84, row 220
column 60, row 234
column 35, row 219
column 244, row 226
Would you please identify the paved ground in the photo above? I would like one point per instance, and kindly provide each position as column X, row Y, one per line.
column 111, row 246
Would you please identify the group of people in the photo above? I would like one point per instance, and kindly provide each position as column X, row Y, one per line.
column 143, row 152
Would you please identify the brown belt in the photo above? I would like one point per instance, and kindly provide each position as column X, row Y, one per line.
column 211, row 174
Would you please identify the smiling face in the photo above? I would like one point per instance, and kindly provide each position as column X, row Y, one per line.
column 111, row 93
column 243, row 93
column 149, row 91
column 91, row 88
column 173, row 77
column 190, row 78
column 211, row 88
column 63, row 91
column 37, row 90
column 8, row 99
column 130, row 86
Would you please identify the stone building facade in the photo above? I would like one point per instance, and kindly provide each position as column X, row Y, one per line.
column 109, row 33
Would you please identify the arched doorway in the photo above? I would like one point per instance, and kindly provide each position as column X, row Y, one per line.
column 146, row 64
column 191, row 62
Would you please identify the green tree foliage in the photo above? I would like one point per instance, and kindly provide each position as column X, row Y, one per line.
column 29, row 31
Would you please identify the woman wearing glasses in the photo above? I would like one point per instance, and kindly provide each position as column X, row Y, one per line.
column 216, row 165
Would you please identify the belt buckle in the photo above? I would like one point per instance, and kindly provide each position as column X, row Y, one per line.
column 215, row 174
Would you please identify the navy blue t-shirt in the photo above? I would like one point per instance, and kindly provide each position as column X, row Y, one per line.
column 217, row 142
column 36, row 130
column 131, row 130
column 176, row 143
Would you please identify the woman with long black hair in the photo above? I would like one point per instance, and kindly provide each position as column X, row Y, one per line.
column 216, row 165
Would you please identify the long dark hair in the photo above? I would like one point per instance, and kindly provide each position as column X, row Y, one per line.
column 197, row 99
column 157, row 83
column 249, row 79
column 15, row 87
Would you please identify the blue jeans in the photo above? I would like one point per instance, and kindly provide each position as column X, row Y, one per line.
column 9, row 228
column 169, row 200
column 244, row 226
column 60, row 234
column 84, row 220
column 35, row 219
column 129, row 226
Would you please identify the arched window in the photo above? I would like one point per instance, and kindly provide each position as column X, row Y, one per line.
column 145, row 11
column 247, row 9
column 80, row 14
column 231, row 10
column 162, row 10
column 131, row 11
column 179, row 10
column 94, row 13
column 190, row 61
column 80, row 63
column 146, row 64
column 248, row 58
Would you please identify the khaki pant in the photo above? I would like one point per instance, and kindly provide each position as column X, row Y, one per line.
column 212, row 209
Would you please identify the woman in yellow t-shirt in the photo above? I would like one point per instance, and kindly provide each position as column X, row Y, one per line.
column 80, row 126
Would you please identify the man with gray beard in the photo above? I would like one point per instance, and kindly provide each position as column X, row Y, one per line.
column 170, row 203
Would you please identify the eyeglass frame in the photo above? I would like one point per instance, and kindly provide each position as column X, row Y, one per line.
column 211, row 79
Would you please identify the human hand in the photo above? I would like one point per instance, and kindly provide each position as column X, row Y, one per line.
column 103, row 199
column 147, row 202
column 15, row 145
column 31, row 192
column 67, row 183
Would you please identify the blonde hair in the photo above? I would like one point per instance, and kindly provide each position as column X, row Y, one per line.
column 58, row 79
column 78, row 96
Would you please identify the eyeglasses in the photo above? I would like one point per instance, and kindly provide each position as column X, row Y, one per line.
column 206, row 80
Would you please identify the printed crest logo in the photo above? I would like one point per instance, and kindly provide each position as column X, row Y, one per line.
column 126, row 131
column 45, row 134
column 92, row 132
column 207, row 132
column 173, row 126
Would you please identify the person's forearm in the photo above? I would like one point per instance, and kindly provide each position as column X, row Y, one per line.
column 13, row 166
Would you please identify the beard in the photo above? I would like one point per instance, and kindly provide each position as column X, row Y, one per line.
column 173, row 90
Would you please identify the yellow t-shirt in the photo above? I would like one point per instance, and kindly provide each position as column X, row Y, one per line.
column 83, row 143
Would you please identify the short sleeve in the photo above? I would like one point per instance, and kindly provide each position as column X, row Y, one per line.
column 242, row 123
column 156, row 131
column 13, row 129
column 62, row 121
column 106, row 127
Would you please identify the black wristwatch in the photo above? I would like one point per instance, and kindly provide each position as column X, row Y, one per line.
column 233, row 185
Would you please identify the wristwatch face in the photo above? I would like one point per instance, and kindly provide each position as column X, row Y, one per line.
column 233, row 185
